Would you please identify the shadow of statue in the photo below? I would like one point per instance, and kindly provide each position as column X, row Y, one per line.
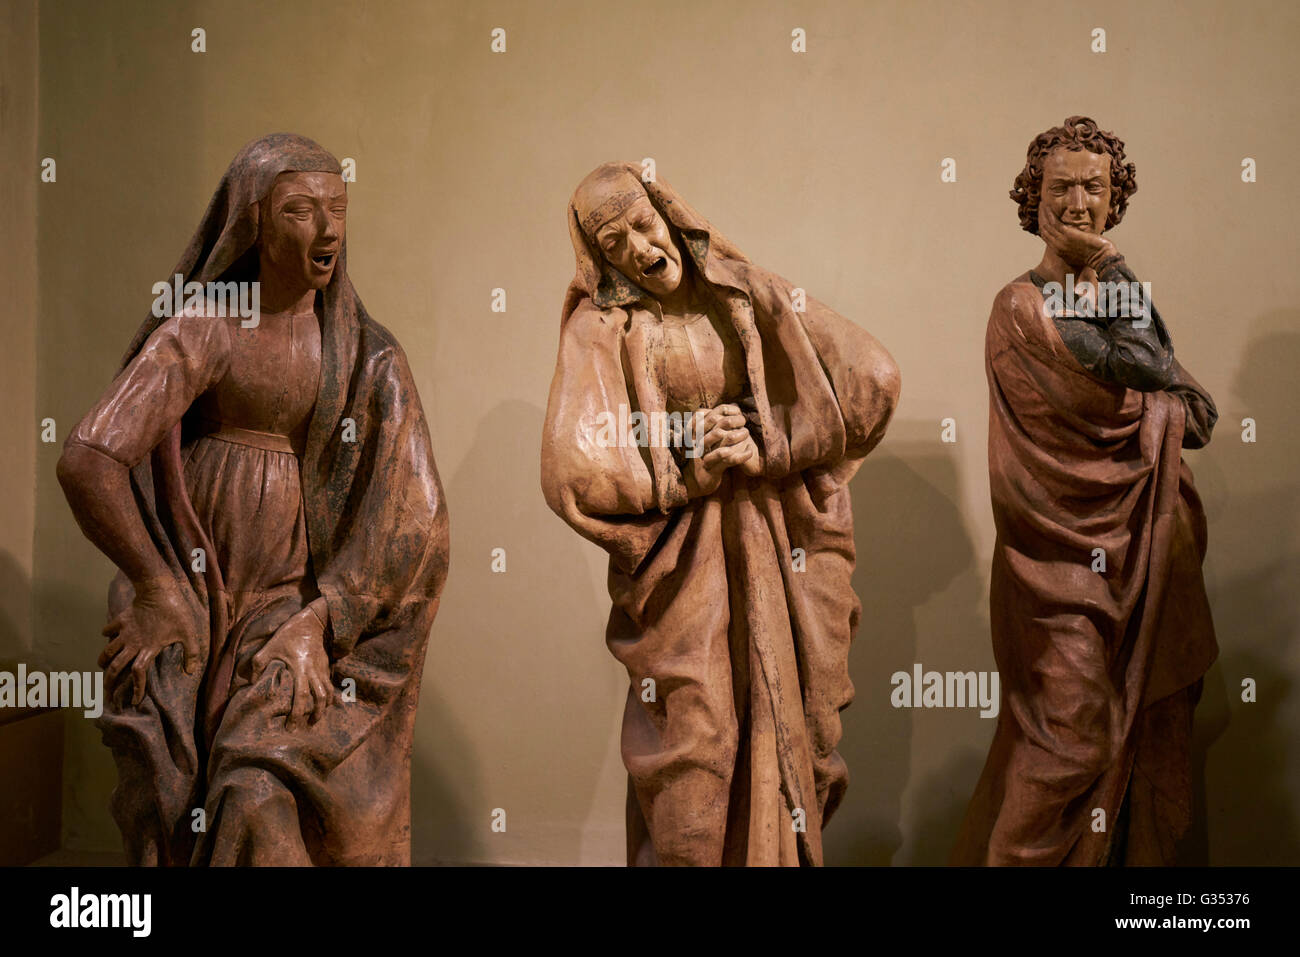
column 913, row 550
column 1246, row 804
column 522, row 700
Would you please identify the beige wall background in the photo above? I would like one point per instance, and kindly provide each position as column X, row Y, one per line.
column 18, row 322
column 823, row 166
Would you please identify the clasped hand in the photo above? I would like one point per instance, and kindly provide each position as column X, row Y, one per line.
column 722, row 441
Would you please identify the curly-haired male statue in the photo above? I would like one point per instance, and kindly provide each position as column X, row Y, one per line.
column 1101, row 626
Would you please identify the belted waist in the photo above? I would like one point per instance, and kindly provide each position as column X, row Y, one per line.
column 269, row 441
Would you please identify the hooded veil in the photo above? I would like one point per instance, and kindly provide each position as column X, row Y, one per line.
column 377, row 530
column 737, row 606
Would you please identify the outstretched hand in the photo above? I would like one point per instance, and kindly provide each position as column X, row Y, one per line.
column 300, row 645
column 163, row 613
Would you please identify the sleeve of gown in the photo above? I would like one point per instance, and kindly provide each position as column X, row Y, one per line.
column 1201, row 411
column 1124, row 350
column 1139, row 358
column 604, row 490
column 863, row 378
column 183, row 358
column 863, row 374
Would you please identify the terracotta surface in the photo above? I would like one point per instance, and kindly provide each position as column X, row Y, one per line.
column 275, row 683
column 736, row 651
column 1100, row 669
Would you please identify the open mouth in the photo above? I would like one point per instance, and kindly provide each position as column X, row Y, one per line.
column 325, row 260
column 656, row 268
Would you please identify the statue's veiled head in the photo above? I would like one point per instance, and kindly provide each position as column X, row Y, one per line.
column 1079, row 173
column 302, row 222
column 621, row 223
column 277, row 215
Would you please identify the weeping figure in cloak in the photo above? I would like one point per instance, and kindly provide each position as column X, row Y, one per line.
column 730, row 540
column 267, row 488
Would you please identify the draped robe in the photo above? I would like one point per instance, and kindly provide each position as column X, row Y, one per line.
column 1100, row 669
column 731, row 759
column 337, row 792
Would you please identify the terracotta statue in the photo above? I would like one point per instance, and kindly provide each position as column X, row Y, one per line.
column 1101, row 625
column 728, row 524
column 266, row 486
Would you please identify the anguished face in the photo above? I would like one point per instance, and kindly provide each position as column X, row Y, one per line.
column 302, row 228
column 639, row 244
column 1076, row 187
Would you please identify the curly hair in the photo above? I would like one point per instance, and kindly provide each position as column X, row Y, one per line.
column 1077, row 133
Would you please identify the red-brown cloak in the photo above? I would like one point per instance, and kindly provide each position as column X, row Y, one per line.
column 1100, row 670
column 749, row 656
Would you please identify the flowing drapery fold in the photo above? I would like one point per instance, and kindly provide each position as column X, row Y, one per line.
column 737, row 607
column 1100, row 666
column 376, row 528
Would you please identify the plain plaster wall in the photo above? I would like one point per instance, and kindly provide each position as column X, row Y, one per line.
column 18, row 322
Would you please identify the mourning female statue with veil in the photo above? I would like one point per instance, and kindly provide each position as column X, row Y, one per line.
column 731, row 544
column 268, row 492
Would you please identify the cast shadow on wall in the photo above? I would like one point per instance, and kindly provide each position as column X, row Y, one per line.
column 913, row 549
column 1246, row 807
column 539, row 609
